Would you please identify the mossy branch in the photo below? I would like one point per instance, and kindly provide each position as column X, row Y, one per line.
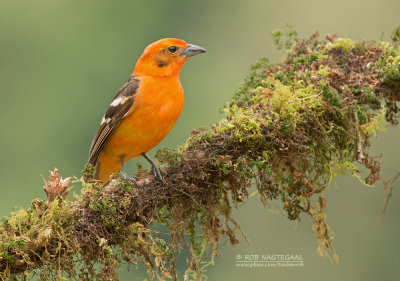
column 290, row 128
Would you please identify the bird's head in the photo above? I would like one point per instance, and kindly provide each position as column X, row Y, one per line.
column 165, row 57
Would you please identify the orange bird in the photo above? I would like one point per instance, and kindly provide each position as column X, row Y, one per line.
column 144, row 110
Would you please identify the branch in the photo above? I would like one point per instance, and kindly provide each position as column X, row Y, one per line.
column 290, row 128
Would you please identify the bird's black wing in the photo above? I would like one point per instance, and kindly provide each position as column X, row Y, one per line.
column 117, row 110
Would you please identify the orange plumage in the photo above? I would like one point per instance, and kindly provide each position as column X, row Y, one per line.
column 144, row 110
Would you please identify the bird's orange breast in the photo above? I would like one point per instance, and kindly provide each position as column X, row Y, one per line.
column 158, row 105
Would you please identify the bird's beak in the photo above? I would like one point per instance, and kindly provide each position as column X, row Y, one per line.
column 192, row 50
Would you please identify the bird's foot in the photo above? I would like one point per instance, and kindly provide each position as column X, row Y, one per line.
column 158, row 172
column 129, row 178
column 125, row 175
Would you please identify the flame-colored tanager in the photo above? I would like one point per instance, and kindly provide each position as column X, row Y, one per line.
column 144, row 110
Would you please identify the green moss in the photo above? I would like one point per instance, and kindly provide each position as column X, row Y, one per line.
column 362, row 115
column 396, row 35
column 277, row 37
column 390, row 66
column 323, row 70
column 331, row 95
column 302, row 59
column 342, row 44
column 367, row 97
column 291, row 37
column 262, row 63
column 374, row 124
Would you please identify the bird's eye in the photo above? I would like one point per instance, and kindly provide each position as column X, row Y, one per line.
column 172, row 49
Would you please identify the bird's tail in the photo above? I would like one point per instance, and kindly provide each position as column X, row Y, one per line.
column 105, row 168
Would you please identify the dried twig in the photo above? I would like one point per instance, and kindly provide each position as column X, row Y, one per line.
column 56, row 187
column 388, row 185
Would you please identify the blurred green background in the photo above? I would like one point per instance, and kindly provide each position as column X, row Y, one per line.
column 61, row 62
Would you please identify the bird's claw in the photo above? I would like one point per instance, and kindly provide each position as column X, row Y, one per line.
column 124, row 174
column 157, row 172
column 129, row 178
